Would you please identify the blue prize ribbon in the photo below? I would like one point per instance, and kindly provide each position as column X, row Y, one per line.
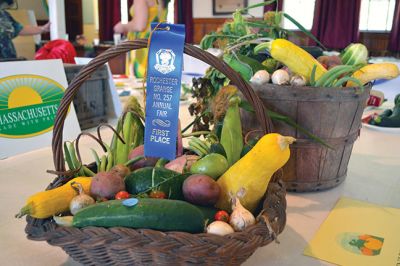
column 163, row 89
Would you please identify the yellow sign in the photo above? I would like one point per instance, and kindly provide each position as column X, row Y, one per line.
column 28, row 105
column 358, row 233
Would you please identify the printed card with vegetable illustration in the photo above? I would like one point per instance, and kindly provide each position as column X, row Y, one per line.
column 358, row 233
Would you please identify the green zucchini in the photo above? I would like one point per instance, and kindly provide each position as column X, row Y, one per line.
column 386, row 121
column 386, row 113
column 158, row 178
column 157, row 214
column 389, row 118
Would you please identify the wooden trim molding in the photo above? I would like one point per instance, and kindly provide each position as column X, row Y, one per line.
column 202, row 26
column 376, row 42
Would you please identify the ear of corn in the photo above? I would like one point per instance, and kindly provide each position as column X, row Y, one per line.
column 374, row 71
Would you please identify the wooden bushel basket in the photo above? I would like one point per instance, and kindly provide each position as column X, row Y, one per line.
column 126, row 246
column 332, row 114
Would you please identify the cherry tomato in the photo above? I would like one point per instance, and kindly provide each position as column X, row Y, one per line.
column 122, row 195
column 222, row 216
column 156, row 194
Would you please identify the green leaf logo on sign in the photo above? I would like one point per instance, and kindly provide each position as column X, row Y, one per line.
column 28, row 105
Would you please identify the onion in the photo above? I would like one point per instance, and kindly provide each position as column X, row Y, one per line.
column 219, row 228
column 260, row 77
column 240, row 217
column 81, row 200
column 280, row 77
column 298, row 80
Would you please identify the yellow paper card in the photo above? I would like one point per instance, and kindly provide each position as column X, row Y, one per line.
column 358, row 233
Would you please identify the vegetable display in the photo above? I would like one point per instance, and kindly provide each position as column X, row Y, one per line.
column 217, row 181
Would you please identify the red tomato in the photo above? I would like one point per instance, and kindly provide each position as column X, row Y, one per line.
column 122, row 195
column 156, row 194
column 222, row 216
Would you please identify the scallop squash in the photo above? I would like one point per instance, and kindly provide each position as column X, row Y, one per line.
column 254, row 171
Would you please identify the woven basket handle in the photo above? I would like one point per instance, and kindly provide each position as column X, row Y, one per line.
column 86, row 71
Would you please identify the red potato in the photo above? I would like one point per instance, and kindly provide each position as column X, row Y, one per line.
column 182, row 163
column 201, row 190
column 139, row 151
column 106, row 185
column 329, row 61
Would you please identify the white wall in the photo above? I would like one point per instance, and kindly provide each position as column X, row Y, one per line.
column 203, row 9
column 36, row 6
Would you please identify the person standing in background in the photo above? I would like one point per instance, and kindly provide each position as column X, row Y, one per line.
column 10, row 28
column 143, row 13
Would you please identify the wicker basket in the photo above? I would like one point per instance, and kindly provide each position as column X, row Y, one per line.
column 333, row 114
column 126, row 246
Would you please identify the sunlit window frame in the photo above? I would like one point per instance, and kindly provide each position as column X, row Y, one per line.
column 387, row 22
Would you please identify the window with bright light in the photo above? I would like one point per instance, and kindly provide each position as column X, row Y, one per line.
column 170, row 12
column 301, row 10
column 376, row 15
column 124, row 11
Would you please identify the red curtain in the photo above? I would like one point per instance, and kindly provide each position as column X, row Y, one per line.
column 275, row 6
column 336, row 22
column 394, row 37
column 109, row 15
column 183, row 14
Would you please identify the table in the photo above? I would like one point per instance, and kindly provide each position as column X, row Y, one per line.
column 373, row 176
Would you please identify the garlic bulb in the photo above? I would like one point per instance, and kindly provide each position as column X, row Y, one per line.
column 280, row 77
column 260, row 77
column 240, row 217
column 81, row 200
column 298, row 80
column 219, row 228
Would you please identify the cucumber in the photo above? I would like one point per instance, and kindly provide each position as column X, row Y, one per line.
column 389, row 118
column 145, row 178
column 386, row 121
column 158, row 214
column 208, row 213
column 387, row 113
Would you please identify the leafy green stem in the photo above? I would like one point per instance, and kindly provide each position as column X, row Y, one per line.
column 255, row 41
column 197, row 133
